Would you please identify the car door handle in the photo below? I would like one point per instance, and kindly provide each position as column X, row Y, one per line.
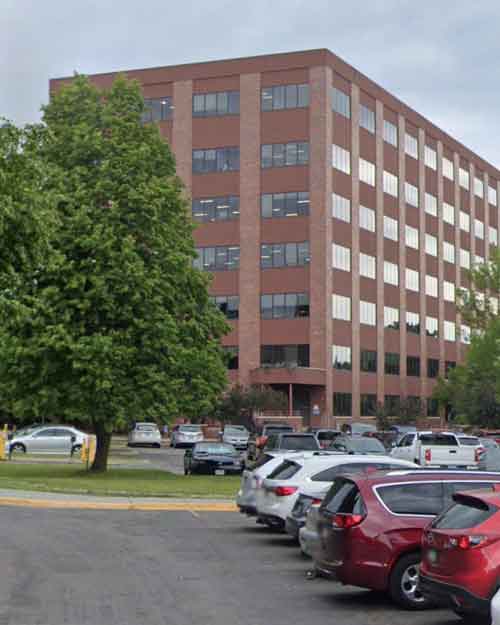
column 453, row 451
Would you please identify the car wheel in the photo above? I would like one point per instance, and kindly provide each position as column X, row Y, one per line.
column 403, row 583
column 157, row 445
column 18, row 447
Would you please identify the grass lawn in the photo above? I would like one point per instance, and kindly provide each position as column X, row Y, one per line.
column 121, row 482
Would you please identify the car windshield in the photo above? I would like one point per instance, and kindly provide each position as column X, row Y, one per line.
column 366, row 445
column 190, row 428
column 218, row 449
column 306, row 443
column 471, row 441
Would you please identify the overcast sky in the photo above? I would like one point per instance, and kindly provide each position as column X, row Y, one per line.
column 439, row 56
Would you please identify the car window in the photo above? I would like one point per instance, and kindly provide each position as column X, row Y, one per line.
column 367, row 445
column 307, row 443
column 285, row 470
column 459, row 487
column 439, row 439
column 469, row 441
column 344, row 498
column 262, row 461
column 44, row 433
column 146, row 428
column 328, row 475
column 63, row 433
column 467, row 512
column 426, row 498
column 271, row 442
column 406, row 441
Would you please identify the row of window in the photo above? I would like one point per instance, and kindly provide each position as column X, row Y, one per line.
column 272, row 306
column 273, row 205
column 284, row 355
column 225, row 257
column 342, row 405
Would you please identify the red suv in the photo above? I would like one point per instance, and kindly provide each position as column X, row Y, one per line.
column 461, row 554
column 370, row 527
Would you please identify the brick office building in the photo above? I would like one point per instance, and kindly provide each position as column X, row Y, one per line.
column 337, row 222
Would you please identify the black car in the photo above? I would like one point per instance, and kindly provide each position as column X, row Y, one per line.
column 212, row 459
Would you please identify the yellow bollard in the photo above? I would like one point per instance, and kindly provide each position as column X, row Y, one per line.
column 3, row 446
column 84, row 452
column 92, row 448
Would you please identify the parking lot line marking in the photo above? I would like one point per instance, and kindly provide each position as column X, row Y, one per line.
column 139, row 507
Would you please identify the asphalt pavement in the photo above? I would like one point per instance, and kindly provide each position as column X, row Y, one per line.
column 177, row 568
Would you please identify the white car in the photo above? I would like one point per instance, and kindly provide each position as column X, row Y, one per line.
column 280, row 490
column 236, row 435
column 186, row 435
column 49, row 439
column 144, row 434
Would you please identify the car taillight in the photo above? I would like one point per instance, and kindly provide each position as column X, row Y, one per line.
column 428, row 455
column 466, row 542
column 285, row 491
column 316, row 502
column 345, row 521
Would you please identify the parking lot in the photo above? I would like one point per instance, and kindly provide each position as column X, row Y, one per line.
column 180, row 568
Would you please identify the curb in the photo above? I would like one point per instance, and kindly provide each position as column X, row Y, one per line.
column 139, row 507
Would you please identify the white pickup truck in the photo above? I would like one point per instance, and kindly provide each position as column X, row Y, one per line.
column 438, row 449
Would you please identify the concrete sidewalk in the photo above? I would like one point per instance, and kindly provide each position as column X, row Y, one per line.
column 88, row 502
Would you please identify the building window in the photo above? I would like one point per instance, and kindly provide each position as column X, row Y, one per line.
column 430, row 157
column 448, row 366
column 342, row 404
column 391, row 363
column 431, row 245
column 464, row 221
column 464, row 259
column 284, row 97
column 366, row 172
column 449, row 214
column 367, row 118
column 478, row 187
column 368, row 313
column 284, row 355
column 390, row 133
column 431, row 286
column 368, row 405
column 367, row 266
column 341, row 103
column 412, row 280
column 341, row 307
column 368, row 361
column 366, row 218
column 412, row 322
column 391, row 318
column 411, row 146
column 284, row 254
column 431, row 327
column 390, row 182
column 341, row 159
column 431, row 204
column 217, row 258
column 216, row 208
column 391, row 228
column 217, row 159
column 448, row 291
column 492, row 196
column 391, row 273
column 157, row 110
column 449, row 331
column 411, row 194
column 463, row 178
column 448, row 169
column 215, row 104
column 284, row 305
column 341, row 207
column 392, row 405
column 411, row 237
column 432, row 407
column 341, row 357
column 479, row 229
column 465, row 333
column 231, row 354
column 432, row 368
column 413, row 366
column 341, row 257
column 448, row 252
column 493, row 235
column 284, row 204
column 229, row 305
column 284, row 154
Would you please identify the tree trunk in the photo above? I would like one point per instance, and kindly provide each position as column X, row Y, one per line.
column 103, row 440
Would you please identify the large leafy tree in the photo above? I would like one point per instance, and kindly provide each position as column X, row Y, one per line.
column 118, row 326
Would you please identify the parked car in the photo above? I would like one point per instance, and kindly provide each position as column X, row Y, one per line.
column 236, row 435
column 186, row 435
column 212, row 459
column 358, row 429
column 314, row 492
column 51, row 439
column 144, row 434
column 308, row 533
column 461, row 554
column 438, row 450
column 257, row 440
column 371, row 527
column 292, row 441
column 325, row 436
column 358, row 445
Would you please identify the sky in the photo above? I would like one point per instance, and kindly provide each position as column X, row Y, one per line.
column 439, row 56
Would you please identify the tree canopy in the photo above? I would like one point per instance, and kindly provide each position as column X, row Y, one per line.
column 117, row 326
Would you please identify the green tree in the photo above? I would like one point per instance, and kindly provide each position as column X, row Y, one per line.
column 240, row 403
column 119, row 326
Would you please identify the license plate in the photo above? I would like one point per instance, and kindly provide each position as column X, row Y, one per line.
column 220, row 472
column 432, row 556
